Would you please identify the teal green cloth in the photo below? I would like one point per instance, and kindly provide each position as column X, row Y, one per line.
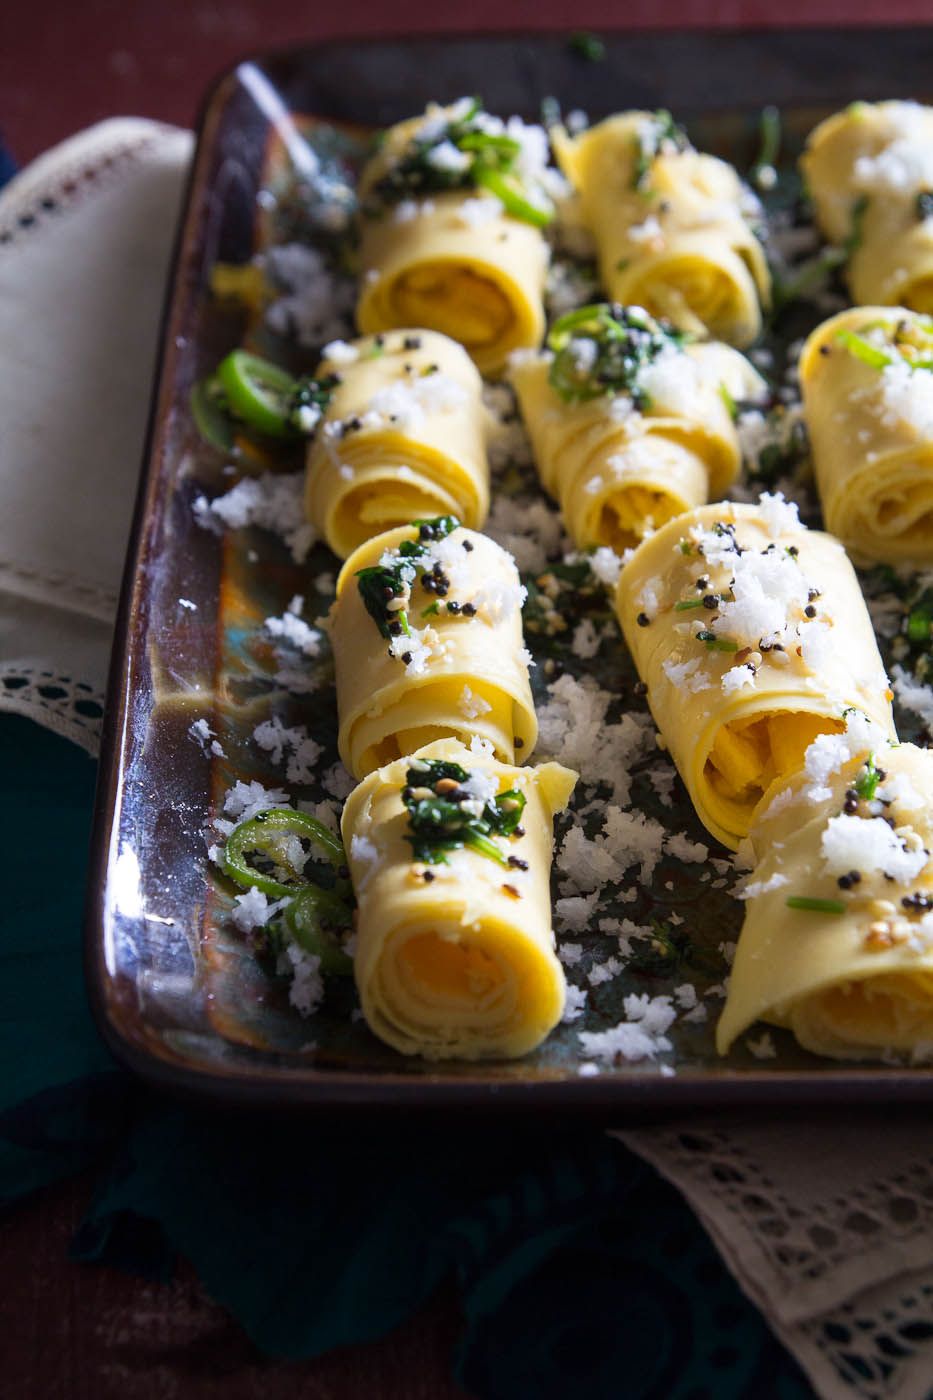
column 580, row 1270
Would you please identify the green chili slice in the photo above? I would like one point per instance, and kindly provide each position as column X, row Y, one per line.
column 258, row 392
column 211, row 416
column 267, row 833
column 314, row 918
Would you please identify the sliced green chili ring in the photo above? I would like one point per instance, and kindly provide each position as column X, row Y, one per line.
column 258, row 392
column 918, row 625
column 511, row 192
column 815, row 906
column 863, row 350
column 211, row 416
column 264, row 833
column 313, row 918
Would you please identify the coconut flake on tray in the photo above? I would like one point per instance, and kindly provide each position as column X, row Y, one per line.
column 274, row 501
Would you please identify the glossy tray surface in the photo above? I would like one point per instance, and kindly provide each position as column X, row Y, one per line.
column 178, row 994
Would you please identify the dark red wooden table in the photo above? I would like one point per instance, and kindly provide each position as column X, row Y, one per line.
column 77, row 1333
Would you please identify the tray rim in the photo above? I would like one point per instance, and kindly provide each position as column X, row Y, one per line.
column 638, row 1093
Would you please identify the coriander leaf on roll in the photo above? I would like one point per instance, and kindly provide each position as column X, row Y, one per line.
column 753, row 638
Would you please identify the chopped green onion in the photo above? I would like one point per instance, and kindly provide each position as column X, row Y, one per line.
column 918, row 625
column 588, row 46
column 732, row 407
column 863, row 350
column 815, row 906
column 686, row 604
column 866, row 784
column 509, row 189
column 769, row 138
column 715, row 643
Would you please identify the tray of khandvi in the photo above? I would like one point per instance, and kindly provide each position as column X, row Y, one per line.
column 522, row 687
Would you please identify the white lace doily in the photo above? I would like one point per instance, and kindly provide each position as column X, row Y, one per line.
column 828, row 1226
column 85, row 237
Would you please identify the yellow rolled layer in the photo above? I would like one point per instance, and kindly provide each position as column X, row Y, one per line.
column 738, row 721
column 677, row 242
column 617, row 473
column 461, row 965
column 454, row 261
column 850, row 985
column 880, row 155
column 403, row 438
column 871, row 431
column 465, row 674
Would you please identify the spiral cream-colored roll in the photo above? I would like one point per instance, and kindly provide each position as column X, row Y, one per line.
column 869, row 411
column 619, row 473
column 669, row 226
column 456, row 959
column 454, row 261
column 752, row 636
column 851, row 971
column 403, row 438
column 461, row 669
column 867, row 169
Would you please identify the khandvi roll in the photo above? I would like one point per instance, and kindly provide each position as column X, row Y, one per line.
column 452, row 207
column 867, row 381
column 752, row 637
column 450, row 854
column 837, row 943
column 629, row 425
column 402, row 436
column 670, row 225
column 869, row 171
column 427, row 641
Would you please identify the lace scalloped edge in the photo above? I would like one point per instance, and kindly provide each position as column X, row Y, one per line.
column 68, row 707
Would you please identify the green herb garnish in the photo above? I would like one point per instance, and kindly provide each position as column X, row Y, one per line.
column 382, row 586
column 658, row 132
column 443, row 818
column 603, row 349
column 815, row 906
column 714, row 643
column 863, row 350
column 769, row 143
column 732, row 407
column 487, row 158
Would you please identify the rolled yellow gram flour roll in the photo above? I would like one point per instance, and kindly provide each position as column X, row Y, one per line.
column 455, row 259
column 403, row 438
column 624, row 455
column 461, row 669
column 869, row 411
column 867, row 169
column 671, row 225
column 752, row 636
column 456, row 959
column 847, row 967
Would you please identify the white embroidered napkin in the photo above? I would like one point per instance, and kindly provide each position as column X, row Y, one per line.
column 826, row 1223
column 85, row 239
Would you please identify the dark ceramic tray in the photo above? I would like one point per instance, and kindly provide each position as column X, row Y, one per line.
column 176, row 997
